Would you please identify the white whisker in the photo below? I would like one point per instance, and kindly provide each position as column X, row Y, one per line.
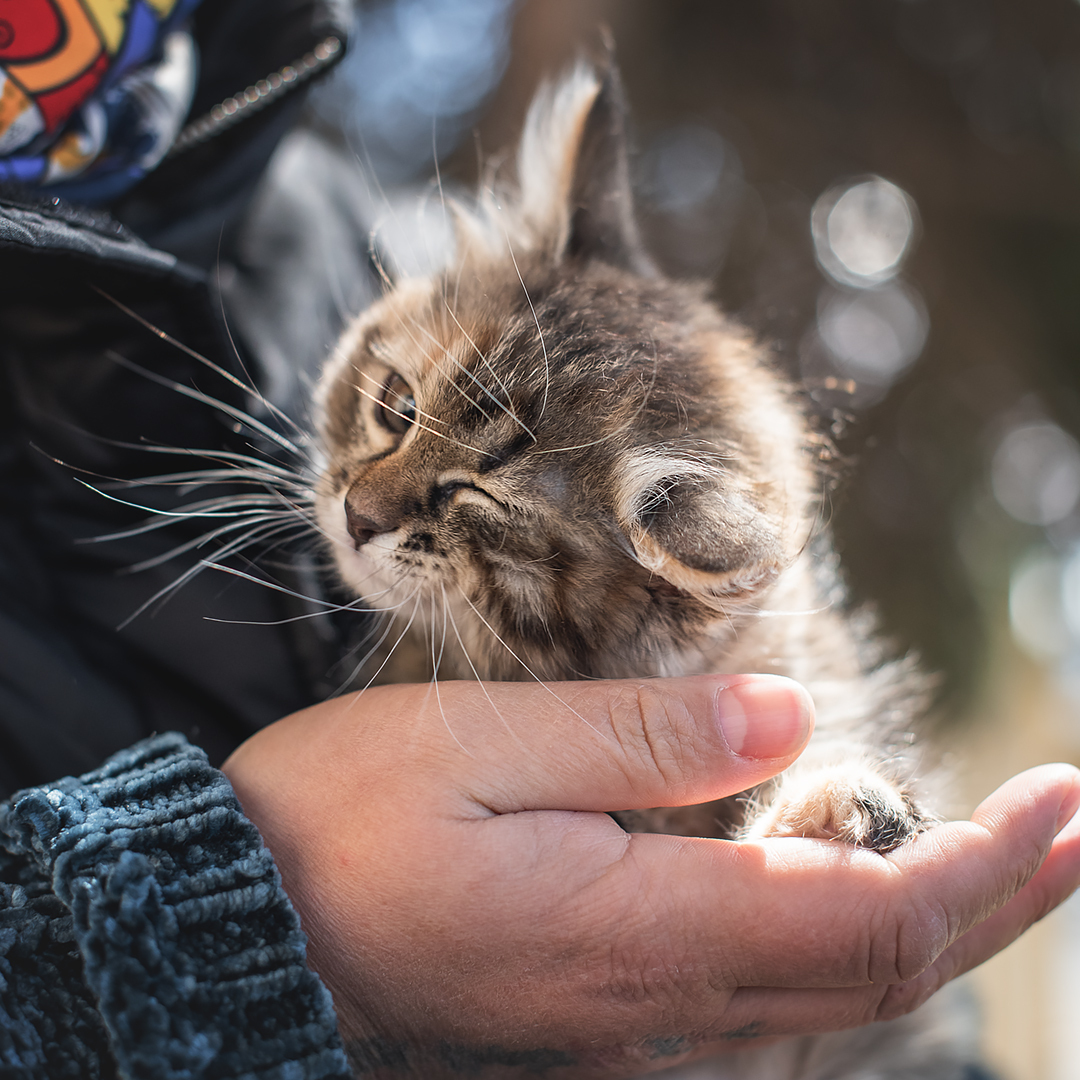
column 435, row 661
column 206, row 399
column 543, row 346
column 419, row 411
column 466, row 372
column 262, row 521
column 422, row 427
column 369, row 654
column 247, row 388
column 526, row 666
column 230, row 507
column 483, row 359
column 461, row 367
column 472, row 667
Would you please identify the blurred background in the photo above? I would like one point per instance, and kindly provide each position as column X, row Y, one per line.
column 888, row 192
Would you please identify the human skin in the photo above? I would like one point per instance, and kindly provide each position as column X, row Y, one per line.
column 474, row 910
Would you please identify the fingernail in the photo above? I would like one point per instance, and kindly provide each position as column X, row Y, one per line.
column 764, row 716
column 1068, row 808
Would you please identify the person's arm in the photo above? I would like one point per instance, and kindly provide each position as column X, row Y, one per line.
column 472, row 908
column 143, row 928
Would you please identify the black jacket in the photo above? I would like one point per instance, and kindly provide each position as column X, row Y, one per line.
column 143, row 928
column 77, row 680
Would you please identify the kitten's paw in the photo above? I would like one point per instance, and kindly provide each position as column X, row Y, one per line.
column 850, row 803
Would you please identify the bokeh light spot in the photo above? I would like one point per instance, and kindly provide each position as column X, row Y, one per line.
column 873, row 336
column 862, row 232
column 1036, row 614
column 1035, row 473
column 684, row 165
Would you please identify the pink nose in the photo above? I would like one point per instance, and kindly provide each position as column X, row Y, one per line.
column 367, row 516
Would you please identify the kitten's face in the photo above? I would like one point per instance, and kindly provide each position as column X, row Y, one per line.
column 557, row 462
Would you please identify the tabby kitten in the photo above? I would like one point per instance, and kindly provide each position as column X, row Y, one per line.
column 549, row 461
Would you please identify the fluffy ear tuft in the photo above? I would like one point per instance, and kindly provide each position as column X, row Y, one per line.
column 695, row 531
column 574, row 173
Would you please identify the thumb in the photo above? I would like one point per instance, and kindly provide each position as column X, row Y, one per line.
column 618, row 745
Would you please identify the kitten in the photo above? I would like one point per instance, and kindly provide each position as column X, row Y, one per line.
column 550, row 461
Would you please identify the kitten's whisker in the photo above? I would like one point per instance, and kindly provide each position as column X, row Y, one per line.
column 435, row 661
column 207, row 537
column 228, row 549
column 465, row 371
column 472, row 667
column 361, row 603
column 442, row 644
column 175, row 584
column 408, row 627
column 526, row 666
column 280, row 535
column 233, row 474
column 171, row 514
column 206, row 399
column 376, row 623
column 377, row 259
column 543, row 346
column 209, row 564
column 257, row 534
column 155, row 524
column 428, row 416
column 388, row 624
column 195, row 477
column 422, row 427
column 251, row 386
column 280, row 622
column 505, row 389
column 420, row 349
column 239, row 467
column 247, row 388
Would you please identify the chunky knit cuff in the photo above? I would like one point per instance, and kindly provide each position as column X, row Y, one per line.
column 143, row 928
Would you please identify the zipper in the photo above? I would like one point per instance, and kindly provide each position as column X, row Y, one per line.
column 258, row 96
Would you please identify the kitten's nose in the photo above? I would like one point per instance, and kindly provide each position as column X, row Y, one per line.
column 366, row 517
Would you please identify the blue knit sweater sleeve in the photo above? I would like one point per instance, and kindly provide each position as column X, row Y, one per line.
column 144, row 933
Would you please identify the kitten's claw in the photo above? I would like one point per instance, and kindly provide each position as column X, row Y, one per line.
column 851, row 804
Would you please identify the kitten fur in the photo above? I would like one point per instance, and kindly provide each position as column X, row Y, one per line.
column 550, row 461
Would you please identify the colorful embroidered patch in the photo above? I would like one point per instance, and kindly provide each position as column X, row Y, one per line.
column 66, row 68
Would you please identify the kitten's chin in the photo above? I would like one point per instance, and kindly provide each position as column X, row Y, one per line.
column 358, row 568
column 359, row 572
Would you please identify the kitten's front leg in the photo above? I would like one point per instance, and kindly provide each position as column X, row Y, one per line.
column 850, row 801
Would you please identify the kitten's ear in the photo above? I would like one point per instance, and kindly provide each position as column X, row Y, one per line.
column 574, row 172
column 601, row 200
column 691, row 525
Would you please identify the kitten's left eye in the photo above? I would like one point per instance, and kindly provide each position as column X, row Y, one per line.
column 397, row 406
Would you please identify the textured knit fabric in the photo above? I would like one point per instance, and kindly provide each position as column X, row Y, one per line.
column 144, row 933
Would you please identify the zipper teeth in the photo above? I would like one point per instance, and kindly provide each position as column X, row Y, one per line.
column 258, row 96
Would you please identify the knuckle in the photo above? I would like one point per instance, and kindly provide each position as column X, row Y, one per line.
column 903, row 998
column 652, row 728
column 906, row 943
column 868, row 1011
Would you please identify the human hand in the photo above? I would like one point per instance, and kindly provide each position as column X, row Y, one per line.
column 470, row 905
